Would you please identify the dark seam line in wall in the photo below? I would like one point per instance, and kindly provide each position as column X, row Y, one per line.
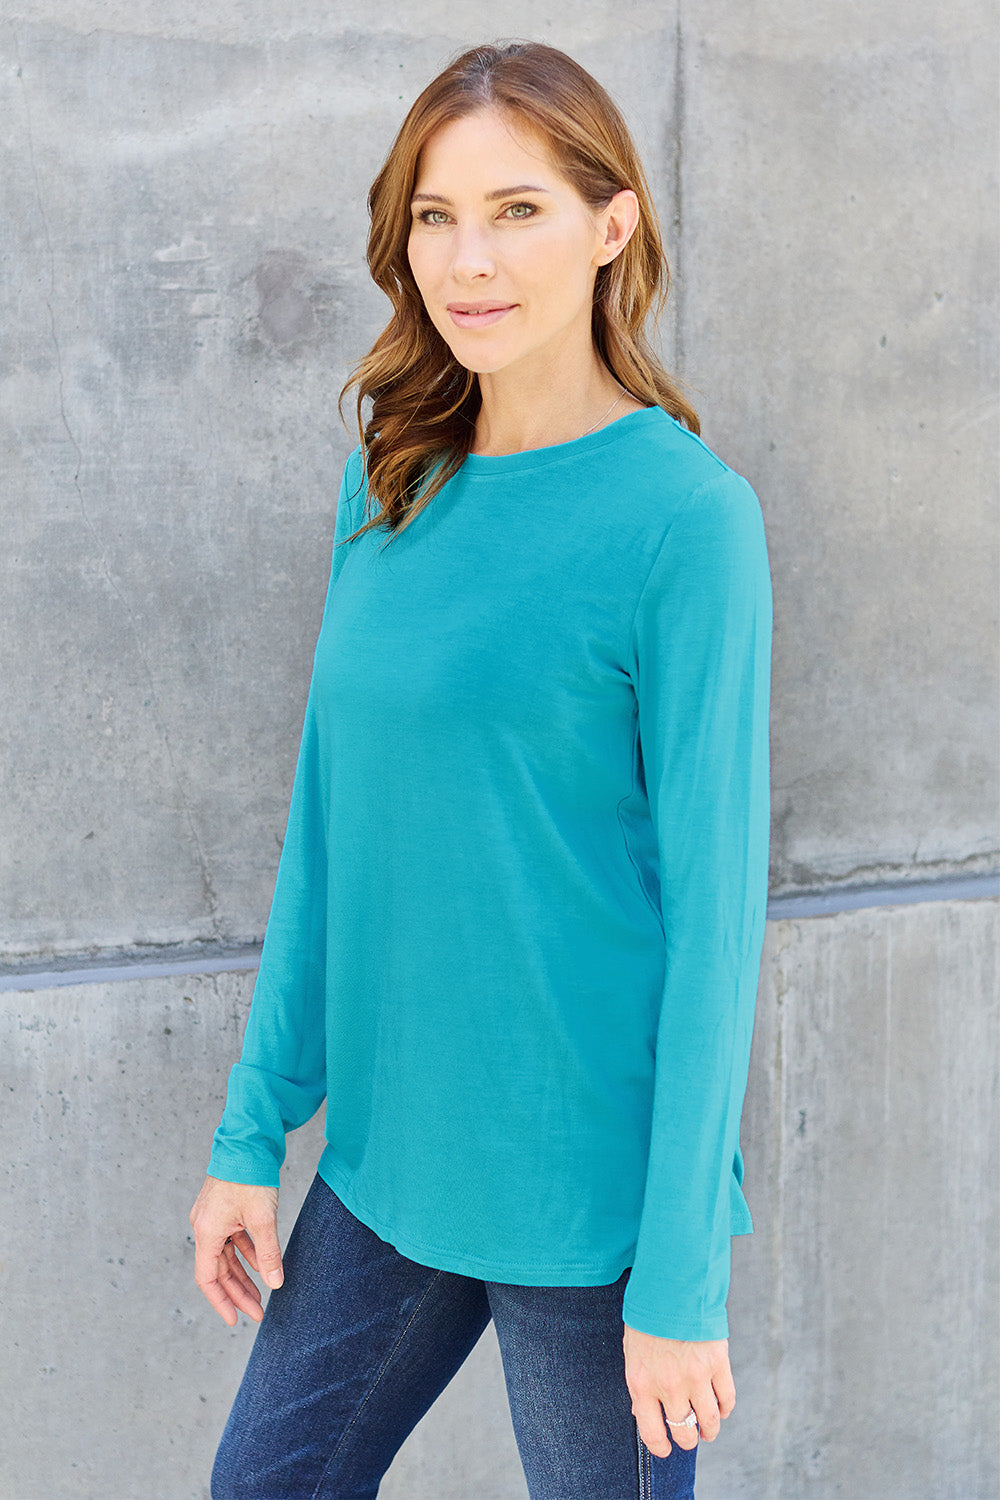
column 114, row 966
column 109, row 967
column 856, row 898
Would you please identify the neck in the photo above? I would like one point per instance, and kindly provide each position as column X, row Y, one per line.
column 554, row 402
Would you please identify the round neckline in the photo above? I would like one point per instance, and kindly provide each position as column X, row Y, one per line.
column 484, row 464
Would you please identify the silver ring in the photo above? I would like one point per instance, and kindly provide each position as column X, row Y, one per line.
column 691, row 1420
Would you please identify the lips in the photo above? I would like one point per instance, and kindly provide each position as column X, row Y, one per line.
column 478, row 307
column 478, row 314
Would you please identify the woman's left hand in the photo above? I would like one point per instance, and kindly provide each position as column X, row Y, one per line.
column 677, row 1375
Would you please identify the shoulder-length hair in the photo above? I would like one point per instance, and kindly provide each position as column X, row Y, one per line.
column 423, row 402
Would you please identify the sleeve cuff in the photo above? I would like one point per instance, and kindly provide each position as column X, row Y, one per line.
column 669, row 1326
column 236, row 1166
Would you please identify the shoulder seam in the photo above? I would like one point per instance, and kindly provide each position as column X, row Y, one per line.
column 694, row 436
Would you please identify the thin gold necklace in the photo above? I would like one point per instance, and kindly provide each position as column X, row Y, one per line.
column 621, row 392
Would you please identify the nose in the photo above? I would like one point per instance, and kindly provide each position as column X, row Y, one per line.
column 472, row 257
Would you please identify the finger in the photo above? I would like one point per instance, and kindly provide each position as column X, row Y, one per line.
column 208, row 1250
column 706, row 1409
column 217, row 1296
column 673, row 1410
column 238, row 1287
column 725, row 1390
column 241, row 1291
column 244, row 1244
column 219, row 1286
column 232, row 1268
column 263, row 1231
column 652, row 1429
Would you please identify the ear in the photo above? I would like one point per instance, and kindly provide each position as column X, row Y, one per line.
column 618, row 222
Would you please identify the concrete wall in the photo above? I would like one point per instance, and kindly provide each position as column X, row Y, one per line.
column 182, row 233
column 865, row 1308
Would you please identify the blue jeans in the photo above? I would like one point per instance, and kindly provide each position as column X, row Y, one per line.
column 360, row 1341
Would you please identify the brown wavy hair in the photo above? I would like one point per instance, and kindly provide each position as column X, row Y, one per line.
column 424, row 404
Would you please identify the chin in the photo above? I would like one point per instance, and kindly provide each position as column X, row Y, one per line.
column 483, row 367
column 479, row 364
column 472, row 355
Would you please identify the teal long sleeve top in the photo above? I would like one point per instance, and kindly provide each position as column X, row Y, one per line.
column 517, row 924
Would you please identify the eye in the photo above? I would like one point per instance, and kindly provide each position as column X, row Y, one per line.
column 521, row 210
column 432, row 216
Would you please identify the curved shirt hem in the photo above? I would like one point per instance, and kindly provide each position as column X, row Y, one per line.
column 564, row 1273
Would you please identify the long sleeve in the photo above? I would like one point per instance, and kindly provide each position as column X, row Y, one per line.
column 280, row 1080
column 700, row 662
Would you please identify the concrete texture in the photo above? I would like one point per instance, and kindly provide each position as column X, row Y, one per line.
column 864, row 1307
column 184, row 293
column 185, row 207
column 837, row 271
column 118, row 1376
column 185, row 219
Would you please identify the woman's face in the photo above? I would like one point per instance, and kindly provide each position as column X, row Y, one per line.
column 502, row 247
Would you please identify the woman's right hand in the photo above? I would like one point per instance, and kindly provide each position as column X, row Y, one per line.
column 231, row 1216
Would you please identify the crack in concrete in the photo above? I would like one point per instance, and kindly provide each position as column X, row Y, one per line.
column 208, row 889
column 806, row 880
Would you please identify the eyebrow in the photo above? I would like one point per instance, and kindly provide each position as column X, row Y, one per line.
column 524, row 187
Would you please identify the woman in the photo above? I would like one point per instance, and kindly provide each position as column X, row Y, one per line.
column 517, row 924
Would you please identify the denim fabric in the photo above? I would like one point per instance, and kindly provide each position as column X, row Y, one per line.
column 359, row 1342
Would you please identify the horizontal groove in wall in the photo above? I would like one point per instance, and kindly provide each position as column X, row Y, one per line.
column 108, row 967
column 855, row 898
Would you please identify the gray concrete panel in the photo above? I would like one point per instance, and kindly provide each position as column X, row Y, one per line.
column 838, row 298
column 185, row 202
column 185, row 216
column 184, row 293
column 864, row 1309
column 117, row 1375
